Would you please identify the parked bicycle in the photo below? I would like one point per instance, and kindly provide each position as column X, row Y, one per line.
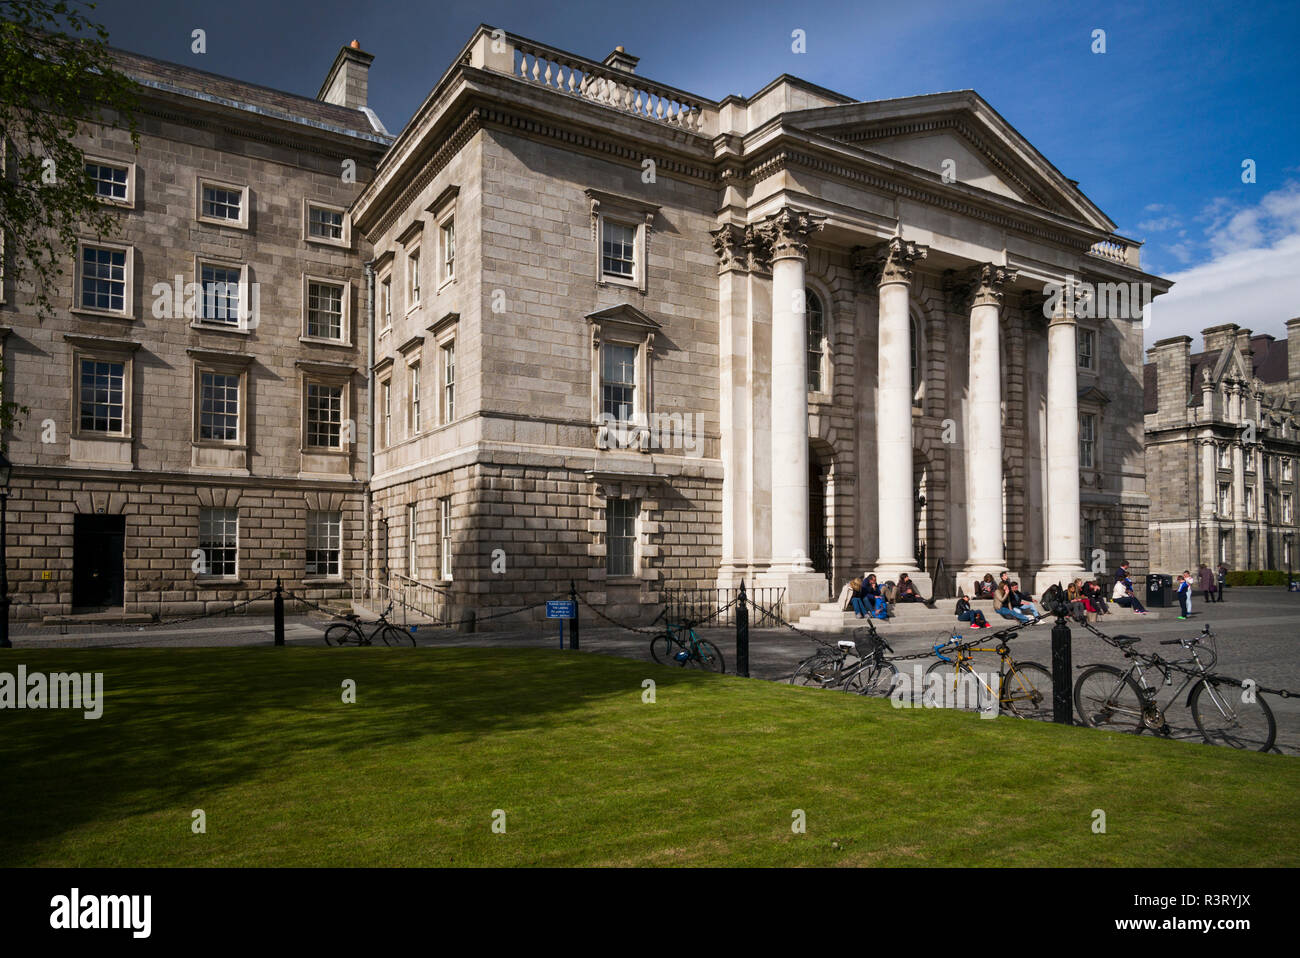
column 1024, row 689
column 858, row 665
column 1123, row 699
column 349, row 632
column 679, row 645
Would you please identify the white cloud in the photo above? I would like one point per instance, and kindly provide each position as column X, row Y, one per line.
column 1160, row 225
column 1252, row 278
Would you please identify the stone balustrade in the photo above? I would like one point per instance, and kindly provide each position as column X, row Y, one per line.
column 619, row 89
column 1118, row 249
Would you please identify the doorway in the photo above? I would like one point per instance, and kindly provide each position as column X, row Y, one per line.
column 98, row 575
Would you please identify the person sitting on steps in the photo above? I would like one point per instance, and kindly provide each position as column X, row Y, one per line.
column 1123, row 595
column 1002, row 605
column 974, row 616
column 906, row 591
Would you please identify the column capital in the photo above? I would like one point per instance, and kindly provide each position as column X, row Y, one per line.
column 893, row 261
column 757, row 243
column 984, row 284
column 729, row 246
column 788, row 230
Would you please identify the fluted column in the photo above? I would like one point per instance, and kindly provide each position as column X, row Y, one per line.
column 984, row 434
column 1209, row 470
column 897, row 517
column 789, row 230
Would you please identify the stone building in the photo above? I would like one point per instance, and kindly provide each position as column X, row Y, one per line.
column 197, row 402
column 1223, row 449
column 640, row 339
column 623, row 335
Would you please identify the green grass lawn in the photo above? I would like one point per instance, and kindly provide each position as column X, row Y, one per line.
column 586, row 773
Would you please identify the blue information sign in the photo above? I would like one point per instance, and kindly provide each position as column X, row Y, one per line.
column 561, row 609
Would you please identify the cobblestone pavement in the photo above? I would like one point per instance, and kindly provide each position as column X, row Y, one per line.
column 1258, row 633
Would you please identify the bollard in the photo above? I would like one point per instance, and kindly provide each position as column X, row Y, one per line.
column 742, row 634
column 279, row 613
column 1062, row 706
column 573, row 625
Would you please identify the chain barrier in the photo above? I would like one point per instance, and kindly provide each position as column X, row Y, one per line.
column 621, row 625
column 436, row 625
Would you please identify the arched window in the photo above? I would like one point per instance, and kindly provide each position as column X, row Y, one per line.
column 816, row 319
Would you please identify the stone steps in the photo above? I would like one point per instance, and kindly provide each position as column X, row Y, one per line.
column 913, row 616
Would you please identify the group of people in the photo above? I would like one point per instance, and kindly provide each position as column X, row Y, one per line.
column 868, row 598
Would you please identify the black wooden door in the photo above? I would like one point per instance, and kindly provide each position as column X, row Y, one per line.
column 97, row 573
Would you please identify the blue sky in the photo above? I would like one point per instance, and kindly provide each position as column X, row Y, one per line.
column 1155, row 129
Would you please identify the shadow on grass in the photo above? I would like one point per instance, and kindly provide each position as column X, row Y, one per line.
column 181, row 723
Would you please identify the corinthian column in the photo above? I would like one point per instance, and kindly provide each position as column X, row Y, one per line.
column 789, row 232
column 984, row 434
column 897, row 517
column 1062, row 513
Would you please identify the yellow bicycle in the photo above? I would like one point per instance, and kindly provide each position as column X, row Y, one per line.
column 1024, row 689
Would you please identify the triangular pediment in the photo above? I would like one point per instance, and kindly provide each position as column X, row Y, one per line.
column 961, row 135
column 1230, row 366
column 624, row 313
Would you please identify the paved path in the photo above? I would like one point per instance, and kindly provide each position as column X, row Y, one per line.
column 1258, row 638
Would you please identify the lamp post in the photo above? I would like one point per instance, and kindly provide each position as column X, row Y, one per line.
column 5, row 469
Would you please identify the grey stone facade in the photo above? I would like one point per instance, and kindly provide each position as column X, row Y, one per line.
column 1223, row 449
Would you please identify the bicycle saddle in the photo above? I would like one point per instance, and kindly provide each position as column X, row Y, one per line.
column 1126, row 639
column 352, row 617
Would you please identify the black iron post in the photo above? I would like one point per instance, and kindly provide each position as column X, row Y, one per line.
column 573, row 623
column 742, row 633
column 1062, row 665
column 4, row 572
column 279, row 613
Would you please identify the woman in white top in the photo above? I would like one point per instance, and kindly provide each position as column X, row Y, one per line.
column 1123, row 595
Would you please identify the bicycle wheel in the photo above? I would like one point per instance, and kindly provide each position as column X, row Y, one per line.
column 1225, row 719
column 706, row 656
column 1027, row 691
column 818, row 672
column 393, row 636
column 340, row 633
column 1105, row 697
column 662, row 649
column 953, row 688
column 873, row 680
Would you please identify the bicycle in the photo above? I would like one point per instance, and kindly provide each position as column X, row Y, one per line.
column 679, row 645
column 869, row 674
column 349, row 632
column 1024, row 688
column 1109, row 697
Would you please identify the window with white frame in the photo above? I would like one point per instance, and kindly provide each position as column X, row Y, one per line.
column 222, row 203
column 324, row 416
column 1286, row 551
column 1224, row 541
column 1286, row 470
column 413, row 398
column 326, row 310
column 386, row 411
column 412, row 563
column 914, row 343
column 110, row 182
column 102, row 402
column 1250, row 502
column 448, row 242
column 1225, row 456
column 325, row 224
column 618, row 381
column 1087, row 440
column 413, row 278
column 620, row 536
column 104, row 278
column 1089, row 540
column 815, row 324
column 219, row 542
column 324, row 545
column 386, row 303
column 218, row 406
column 1225, row 498
column 1286, row 507
column 449, row 382
column 1087, row 349
column 618, row 249
column 222, row 290
column 444, row 536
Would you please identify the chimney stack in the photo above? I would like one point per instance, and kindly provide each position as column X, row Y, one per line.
column 346, row 83
column 1293, row 357
column 1173, row 359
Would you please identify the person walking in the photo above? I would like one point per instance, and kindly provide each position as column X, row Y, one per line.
column 1206, row 582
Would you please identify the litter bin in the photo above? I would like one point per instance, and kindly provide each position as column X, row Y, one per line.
column 1160, row 589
